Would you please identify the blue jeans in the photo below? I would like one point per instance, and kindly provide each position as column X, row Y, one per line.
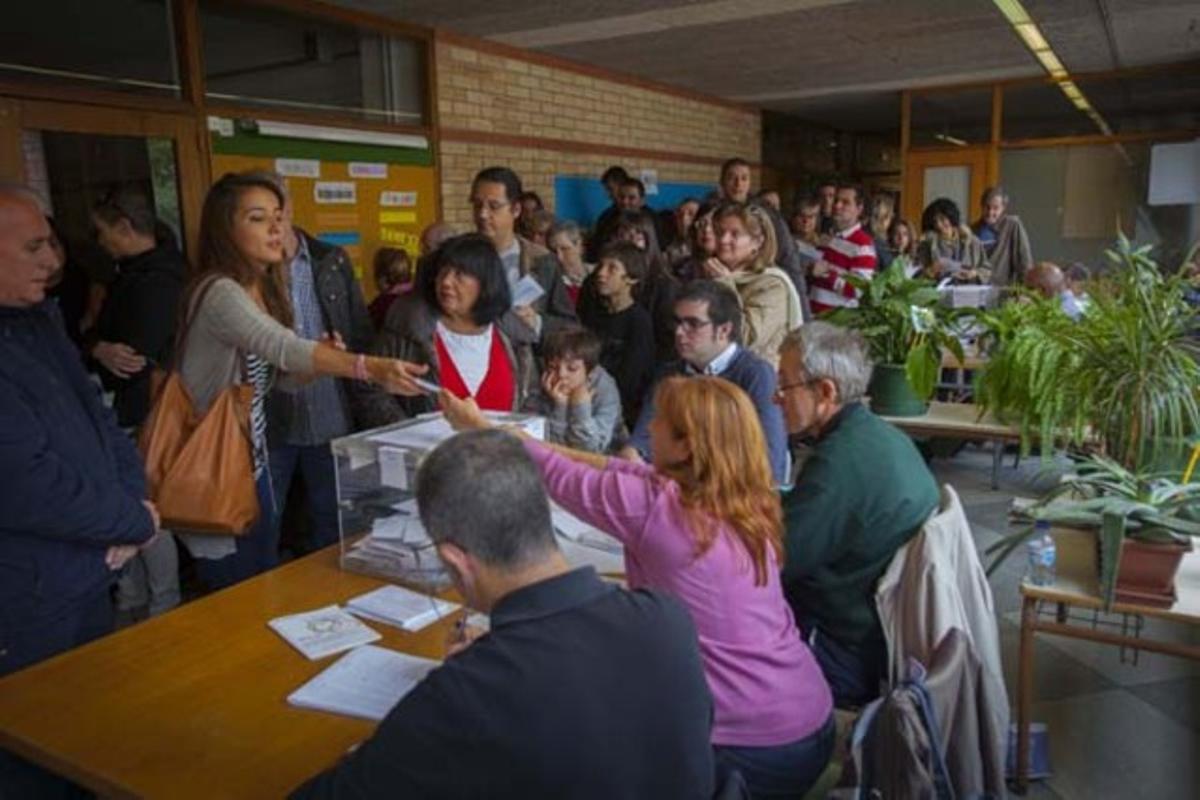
column 257, row 549
column 854, row 673
column 40, row 637
column 782, row 771
column 315, row 464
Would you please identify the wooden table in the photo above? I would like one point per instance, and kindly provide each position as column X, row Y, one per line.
column 1046, row 609
column 193, row 703
column 962, row 421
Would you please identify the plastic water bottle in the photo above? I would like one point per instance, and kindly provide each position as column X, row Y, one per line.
column 1042, row 555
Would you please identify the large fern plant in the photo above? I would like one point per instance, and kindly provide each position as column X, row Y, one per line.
column 1125, row 374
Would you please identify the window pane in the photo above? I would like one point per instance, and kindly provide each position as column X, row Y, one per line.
column 951, row 118
column 1071, row 200
column 117, row 44
column 267, row 57
column 1041, row 110
column 1166, row 101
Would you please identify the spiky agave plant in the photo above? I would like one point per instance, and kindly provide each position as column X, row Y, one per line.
column 1104, row 496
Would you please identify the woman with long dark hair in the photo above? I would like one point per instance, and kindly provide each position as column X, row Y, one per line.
column 237, row 318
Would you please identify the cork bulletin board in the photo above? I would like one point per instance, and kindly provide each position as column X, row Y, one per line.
column 359, row 197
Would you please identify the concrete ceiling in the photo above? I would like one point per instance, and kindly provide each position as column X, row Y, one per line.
column 839, row 62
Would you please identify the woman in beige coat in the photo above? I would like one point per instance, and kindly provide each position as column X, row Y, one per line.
column 745, row 261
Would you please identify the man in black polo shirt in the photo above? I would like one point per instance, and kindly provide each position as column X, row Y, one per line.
column 580, row 690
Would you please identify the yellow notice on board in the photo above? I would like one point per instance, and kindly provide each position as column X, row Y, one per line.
column 397, row 218
column 405, row 240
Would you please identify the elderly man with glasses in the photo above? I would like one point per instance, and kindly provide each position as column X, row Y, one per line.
column 861, row 494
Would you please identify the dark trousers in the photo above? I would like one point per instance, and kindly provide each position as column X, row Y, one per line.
column 257, row 549
column 854, row 673
column 41, row 638
column 87, row 620
column 315, row 464
column 782, row 771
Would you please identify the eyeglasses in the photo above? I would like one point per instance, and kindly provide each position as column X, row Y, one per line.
column 691, row 324
column 783, row 388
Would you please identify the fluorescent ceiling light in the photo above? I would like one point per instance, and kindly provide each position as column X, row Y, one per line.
column 1013, row 11
column 948, row 139
column 1030, row 34
column 296, row 130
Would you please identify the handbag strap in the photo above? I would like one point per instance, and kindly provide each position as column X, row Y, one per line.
column 189, row 317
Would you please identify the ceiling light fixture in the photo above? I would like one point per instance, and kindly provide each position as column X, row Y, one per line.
column 1029, row 33
column 948, row 139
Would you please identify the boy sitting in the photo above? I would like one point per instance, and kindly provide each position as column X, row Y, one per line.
column 579, row 398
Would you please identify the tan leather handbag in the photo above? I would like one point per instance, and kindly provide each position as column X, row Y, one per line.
column 200, row 469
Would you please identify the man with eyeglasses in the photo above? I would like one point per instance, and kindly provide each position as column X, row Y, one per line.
column 707, row 333
column 861, row 494
column 496, row 206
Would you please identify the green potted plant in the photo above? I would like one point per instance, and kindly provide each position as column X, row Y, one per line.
column 1144, row 524
column 1124, row 376
column 906, row 327
column 1120, row 382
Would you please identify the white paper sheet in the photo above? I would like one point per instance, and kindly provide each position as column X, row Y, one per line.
column 527, row 291
column 323, row 632
column 401, row 607
column 366, row 682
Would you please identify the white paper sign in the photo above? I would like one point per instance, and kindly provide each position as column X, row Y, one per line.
column 649, row 178
column 398, row 199
column 339, row 192
column 298, row 167
column 367, row 169
column 222, row 126
column 392, row 470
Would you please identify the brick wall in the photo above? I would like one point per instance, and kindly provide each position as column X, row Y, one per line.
column 496, row 107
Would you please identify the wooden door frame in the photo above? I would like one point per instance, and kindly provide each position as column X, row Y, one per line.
column 979, row 158
column 191, row 143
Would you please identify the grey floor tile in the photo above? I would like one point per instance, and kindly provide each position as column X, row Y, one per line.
column 1178, row 699
column 1114, row 745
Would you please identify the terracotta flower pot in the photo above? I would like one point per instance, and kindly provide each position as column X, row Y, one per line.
column 1147, row 571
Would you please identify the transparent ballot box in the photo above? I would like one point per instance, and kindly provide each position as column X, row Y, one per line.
column 381, row 533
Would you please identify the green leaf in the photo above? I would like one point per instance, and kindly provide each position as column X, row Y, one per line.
column 1112, row 531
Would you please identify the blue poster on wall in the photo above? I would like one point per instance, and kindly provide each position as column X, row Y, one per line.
column 582, row 198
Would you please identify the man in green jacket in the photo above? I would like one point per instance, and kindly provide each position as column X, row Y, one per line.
column 859, row 497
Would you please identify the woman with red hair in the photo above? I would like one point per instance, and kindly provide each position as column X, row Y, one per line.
column 703, row 523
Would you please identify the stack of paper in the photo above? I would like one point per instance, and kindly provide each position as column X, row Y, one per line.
column 366, row 682
column 323, row 632
column 575, row 529
column 404, row 608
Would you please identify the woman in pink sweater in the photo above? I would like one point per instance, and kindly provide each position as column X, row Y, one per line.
column 704, row 524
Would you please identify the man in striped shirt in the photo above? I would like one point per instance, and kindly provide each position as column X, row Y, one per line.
column 850, row 250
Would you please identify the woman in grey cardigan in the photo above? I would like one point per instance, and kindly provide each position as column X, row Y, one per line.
column 239, row 330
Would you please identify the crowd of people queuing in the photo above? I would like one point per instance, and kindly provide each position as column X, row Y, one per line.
column 676, row 356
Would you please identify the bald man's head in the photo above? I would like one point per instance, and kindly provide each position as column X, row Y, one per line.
column 1046, row 278
column 27, row 256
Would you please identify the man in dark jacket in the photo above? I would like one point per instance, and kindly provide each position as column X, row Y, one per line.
column 581, row 689
column 327, row 302
column 134, row 335
column 606, row 223
column 73, row 507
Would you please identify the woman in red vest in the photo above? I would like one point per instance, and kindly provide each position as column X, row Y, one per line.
column 458, row 321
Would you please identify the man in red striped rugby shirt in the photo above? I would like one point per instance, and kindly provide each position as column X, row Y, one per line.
column 850, row 250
